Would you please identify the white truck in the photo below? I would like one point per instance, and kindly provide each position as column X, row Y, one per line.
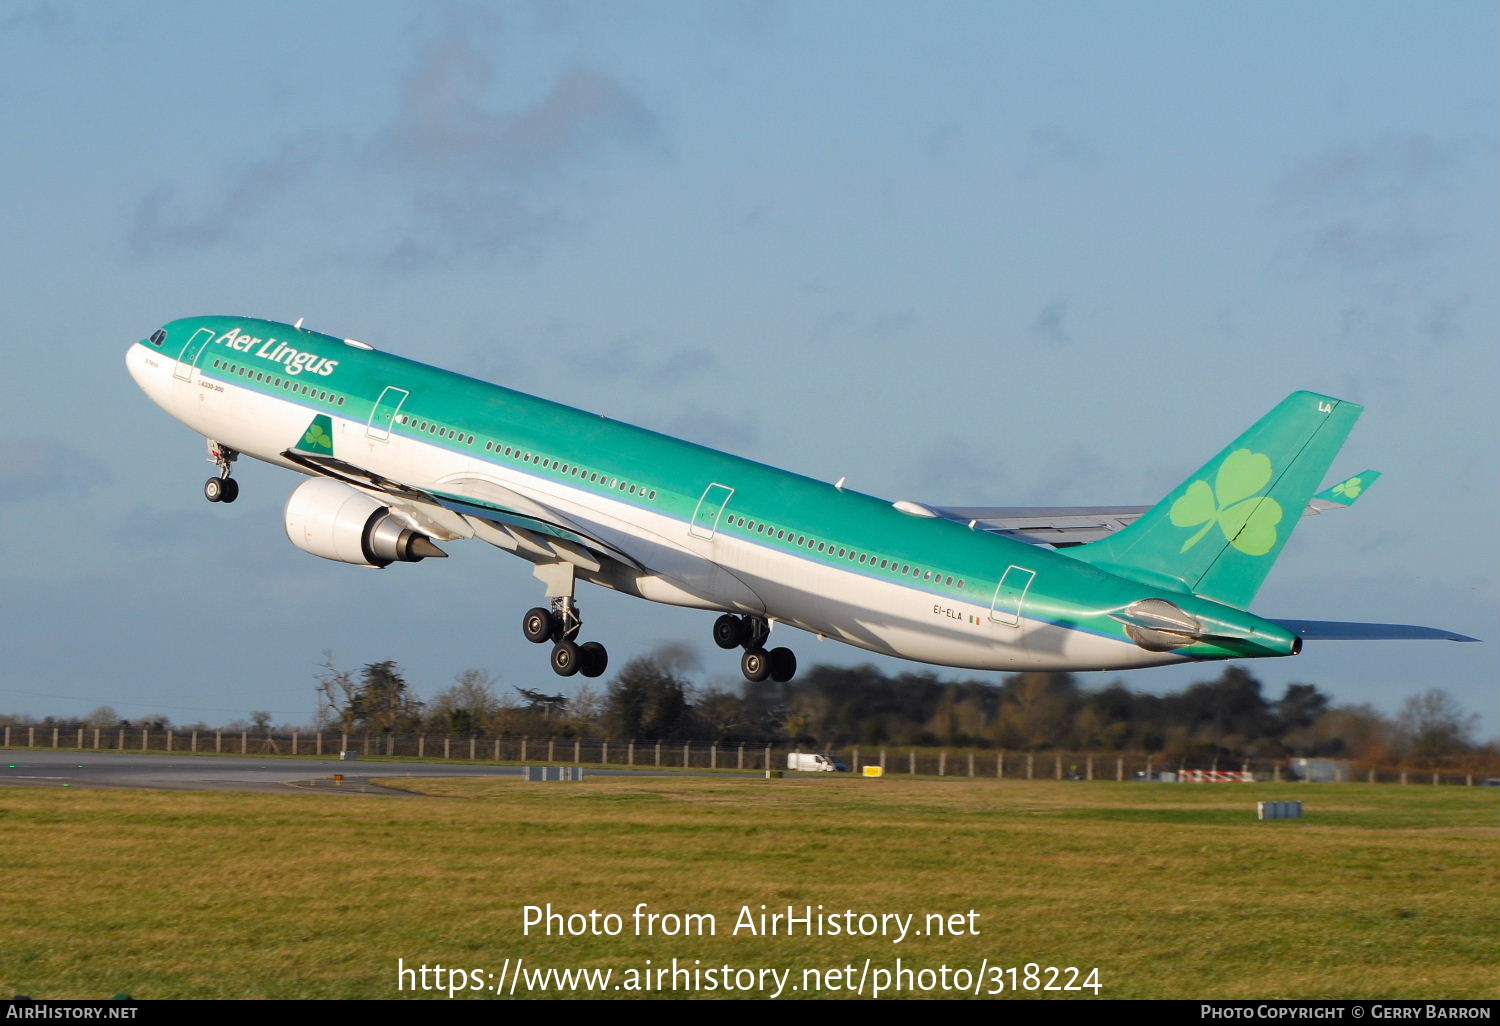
column 823, row 763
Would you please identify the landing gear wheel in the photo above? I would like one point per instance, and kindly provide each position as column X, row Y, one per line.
column 229, row 490
column 213, row 489
column 783, row 664
column 565, row 659
column 592, row 659
column 537, row 625
column 729, row 631
column 755, row 664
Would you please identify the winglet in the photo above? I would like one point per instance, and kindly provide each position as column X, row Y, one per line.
column 1345, row 492
column 317, row 440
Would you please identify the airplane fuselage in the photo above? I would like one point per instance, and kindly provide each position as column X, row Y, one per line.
column 662, row 518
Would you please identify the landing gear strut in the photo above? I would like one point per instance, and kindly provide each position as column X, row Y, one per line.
column 560, row 625
column 751, row 633
column 222, row 488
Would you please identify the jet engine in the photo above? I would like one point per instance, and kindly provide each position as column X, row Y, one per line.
column 337, row 522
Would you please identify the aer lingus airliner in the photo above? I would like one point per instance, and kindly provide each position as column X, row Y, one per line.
column 402, row 456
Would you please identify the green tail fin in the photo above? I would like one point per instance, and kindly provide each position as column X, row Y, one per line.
column 1218, row 533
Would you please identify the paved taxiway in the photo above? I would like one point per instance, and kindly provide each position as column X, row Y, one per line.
column 49, row 768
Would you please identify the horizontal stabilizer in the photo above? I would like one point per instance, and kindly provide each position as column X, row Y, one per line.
column 1335, row 630
column 1346, row 491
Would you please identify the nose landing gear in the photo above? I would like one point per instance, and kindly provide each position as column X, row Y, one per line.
column 222, row 488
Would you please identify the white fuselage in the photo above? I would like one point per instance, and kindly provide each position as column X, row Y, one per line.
column 724, row 571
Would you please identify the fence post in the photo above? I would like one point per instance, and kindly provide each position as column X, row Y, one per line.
column 80, row 737
column 145, row 738
column 942, row 762
column 604, row 751
column 658, row 753
column 1030, row 761
column 244, row 743
column 741, row 763
column 1057, row 765
column 686, row 755
column 1119, row 769
column 54, row 737
column 1000, row 764
column 577, row 750
column 318, row 743
column 497, row 750
column 472, row 742
column 122, row 739
column 630, row 754
column 30, row 737
column 911, row 761
column 882, row 760
column 971, row 763
column 713, row 755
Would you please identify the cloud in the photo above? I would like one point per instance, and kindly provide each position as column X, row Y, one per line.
column 165, row 223
column 709, row 427
column 461, row 177
column 1358, row 207
column 1050, row 323
column 42, row 465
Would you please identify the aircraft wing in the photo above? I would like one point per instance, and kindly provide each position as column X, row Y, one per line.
column 1062, row 526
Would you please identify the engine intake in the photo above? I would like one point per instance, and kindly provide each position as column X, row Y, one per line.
column 337, row 522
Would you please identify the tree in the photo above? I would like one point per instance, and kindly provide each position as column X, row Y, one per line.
column 647, row 702
column 383, row 701
column 468, row 707
column 1433, row 725
column 336, row 690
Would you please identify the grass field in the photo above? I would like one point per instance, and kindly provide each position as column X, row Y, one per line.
column 1171, row 891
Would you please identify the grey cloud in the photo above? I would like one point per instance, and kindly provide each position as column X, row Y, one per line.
column 42, row 465
column 467, row 180
column 1390, row 166
column 165, row 222
column 711, row 428
column 1060, row 146
column 958, row 471
column 1359, row 207
column 1050, row 323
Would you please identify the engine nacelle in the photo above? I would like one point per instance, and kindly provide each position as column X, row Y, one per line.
column 337, row 522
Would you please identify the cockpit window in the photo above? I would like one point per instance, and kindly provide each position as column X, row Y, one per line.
column 158, row 336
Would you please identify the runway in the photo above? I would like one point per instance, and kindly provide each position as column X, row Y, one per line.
column 61, row 768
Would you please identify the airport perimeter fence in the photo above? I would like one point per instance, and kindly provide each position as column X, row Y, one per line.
column 723, row 755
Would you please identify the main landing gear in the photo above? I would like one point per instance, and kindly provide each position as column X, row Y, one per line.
column 560, row 625
column 222, row 488
column 751, row 633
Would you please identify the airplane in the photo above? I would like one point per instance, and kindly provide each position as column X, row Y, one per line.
column 402, row 456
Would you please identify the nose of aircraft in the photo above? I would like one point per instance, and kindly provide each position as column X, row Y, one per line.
column 139, row 362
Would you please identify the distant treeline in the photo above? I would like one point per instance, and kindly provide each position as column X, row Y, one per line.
column 652, row 698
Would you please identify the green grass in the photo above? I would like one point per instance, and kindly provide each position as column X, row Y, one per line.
column 1172, row 891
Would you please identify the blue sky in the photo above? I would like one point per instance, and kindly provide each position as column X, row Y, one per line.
column 967, row 253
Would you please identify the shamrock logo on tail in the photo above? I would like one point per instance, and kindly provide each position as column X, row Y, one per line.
column 1349, row 489
column 1247, row 518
